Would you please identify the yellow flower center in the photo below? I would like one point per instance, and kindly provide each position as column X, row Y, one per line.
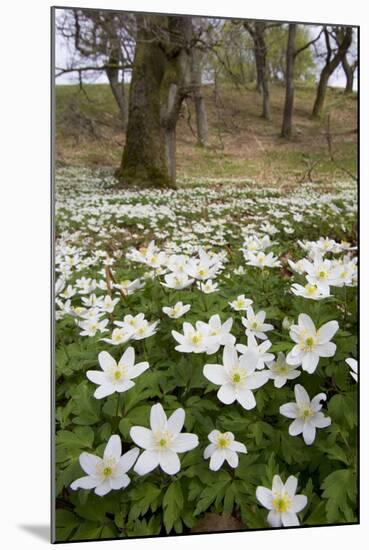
column 107, row 471
column 306, row 413
column 162, row 442
column 223, row 442
column 254, row 324
column 240, row 303
column 281, row 503
column 309, row 341
column 322, row 275
column 202, row 272
column 311, row 289
column 117, row 375
column 196, row 338
column 236, row 378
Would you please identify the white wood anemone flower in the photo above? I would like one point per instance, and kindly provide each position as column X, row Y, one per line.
column 236, row 377
column 260, row 350
column 282, row 502
column 280, row 371
column 240, row 303
column 177, row 310
column 196, row 339
column 311, row 343
column 307, row 414
column 116, row 377
column 108, row 472
column 352, row 363
column 223, row 447
column 162, row 442
column 254, row 324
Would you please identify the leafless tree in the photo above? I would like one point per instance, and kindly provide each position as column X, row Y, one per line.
column 337, row 43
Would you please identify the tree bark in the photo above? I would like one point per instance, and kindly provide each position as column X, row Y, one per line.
column 160, row 81
column 289, row 97
column 257, row 32
column 201, row 118
column 344, row 38
column 349, row 73
column 117, row 87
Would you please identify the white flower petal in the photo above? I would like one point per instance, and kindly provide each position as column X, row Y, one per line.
column 106, row 361
column 158, row 419
column 230, row 356
column 306, row 322
column 289, row 519
column 298, row 503
column 184, row 442
column 119, row 482
column 274, row 519
column 326, row 350
column 169, row 462
column 296, row 427
column 232, row 458
column 126, row 461
column 238, row 447
column 86, row 482
column 265, row 497
column 138, row 369
column 310, row 361
column 291, row 485
column 277, row 484
column 308, row 433
column 128, row 357
column 143, row 437
column 246, row 398
column 103, row 391
column 321, row 421
column 89, row 463
column 301, row 395
column 176, row 421
column 209, row 450
column 216, row 460
column 146, row 462
column 226, row 394
column 113, row 447
column 216, row 374
column 103, row 489
column 327, row 331
column 290, row 410
column 98, row 377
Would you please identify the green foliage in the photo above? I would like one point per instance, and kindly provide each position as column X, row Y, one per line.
column 158, row 503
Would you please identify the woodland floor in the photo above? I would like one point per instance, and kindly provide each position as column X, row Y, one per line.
column 242, row 144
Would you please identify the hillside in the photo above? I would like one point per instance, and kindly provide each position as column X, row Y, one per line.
column 241, row 143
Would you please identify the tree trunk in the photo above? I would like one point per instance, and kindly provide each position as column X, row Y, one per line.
column 117, row 87
column 349, row 72
column 160, row 81
column 201, row 118
column 257, row 32
column 344, row 41
column 289, row 97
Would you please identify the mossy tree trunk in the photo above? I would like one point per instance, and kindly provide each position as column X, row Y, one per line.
column 201, row 118
column 160, row 81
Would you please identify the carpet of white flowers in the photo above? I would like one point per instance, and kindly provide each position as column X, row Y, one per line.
column 206, row 346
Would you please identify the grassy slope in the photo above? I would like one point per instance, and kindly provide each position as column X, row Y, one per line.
column 241, row 143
